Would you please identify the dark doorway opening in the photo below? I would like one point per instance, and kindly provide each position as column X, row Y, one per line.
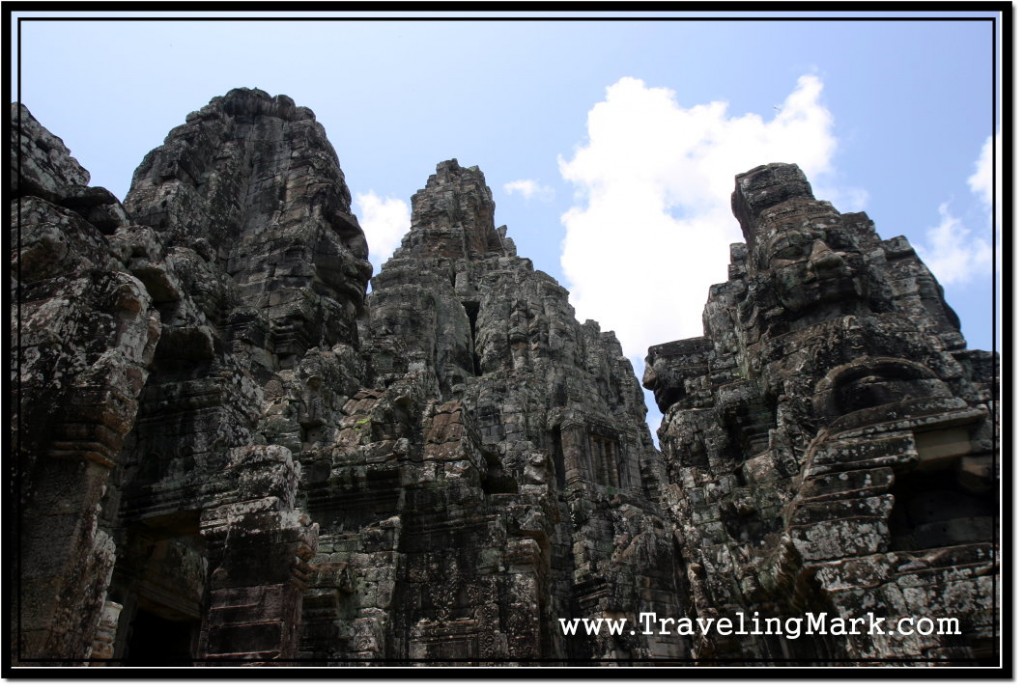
column 935, row 509
column 160, row 642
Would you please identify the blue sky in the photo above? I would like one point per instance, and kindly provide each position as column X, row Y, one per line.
column 610, row 146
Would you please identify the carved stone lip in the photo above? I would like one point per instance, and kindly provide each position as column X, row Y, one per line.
column 874, row 372
column 892, row 367
column 919, row 415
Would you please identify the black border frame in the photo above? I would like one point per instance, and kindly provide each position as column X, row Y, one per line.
column 617, row 11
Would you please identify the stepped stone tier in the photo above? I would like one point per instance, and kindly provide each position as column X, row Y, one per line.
column 228, row 452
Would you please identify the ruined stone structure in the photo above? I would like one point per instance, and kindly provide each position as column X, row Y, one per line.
column 228, row 452
column 829, row 440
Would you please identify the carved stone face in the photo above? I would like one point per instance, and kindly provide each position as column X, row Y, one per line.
column 811, row 261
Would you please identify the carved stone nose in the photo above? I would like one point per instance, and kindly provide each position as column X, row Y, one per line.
column 823, row 258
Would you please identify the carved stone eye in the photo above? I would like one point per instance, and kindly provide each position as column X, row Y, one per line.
column 790, row 252
column 790, row 248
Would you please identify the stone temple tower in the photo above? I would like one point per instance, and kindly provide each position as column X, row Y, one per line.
column 830, row 441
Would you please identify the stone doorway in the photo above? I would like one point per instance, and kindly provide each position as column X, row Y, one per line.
column 162, row 584
column 157, row 641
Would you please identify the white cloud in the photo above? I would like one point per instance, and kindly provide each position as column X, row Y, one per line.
column 529, row 189
column 385, row 221
column 954, row 252
column 652, row 224
column 981, row 181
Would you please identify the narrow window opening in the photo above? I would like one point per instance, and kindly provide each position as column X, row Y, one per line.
column 558, row 456
column 614, row 477
column 472, row 310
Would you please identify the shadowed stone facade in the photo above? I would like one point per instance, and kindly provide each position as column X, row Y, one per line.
column 229, row 452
